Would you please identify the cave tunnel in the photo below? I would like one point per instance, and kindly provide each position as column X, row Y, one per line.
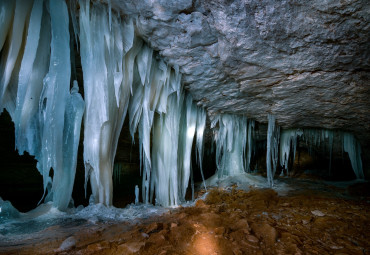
column 184, row 127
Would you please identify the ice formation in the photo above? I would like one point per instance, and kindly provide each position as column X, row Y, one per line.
column 231, row 141
column 251, row 125
column 122, row 75
column 35, row 85
column 353, row 148
column 273, row 136
column 288, row 139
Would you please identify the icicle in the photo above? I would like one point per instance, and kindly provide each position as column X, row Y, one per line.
column 273, row 135
column 54, row 97
column 12, row 54
column 73, row 14
column 62, row 190
column 187, row 132
column 6, row 19
column 201, row 124
column 33, row 69
column 353, row 148
column 250, row 144
column 136, row 194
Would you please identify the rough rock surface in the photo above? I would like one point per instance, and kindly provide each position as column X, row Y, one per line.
column 306, row 62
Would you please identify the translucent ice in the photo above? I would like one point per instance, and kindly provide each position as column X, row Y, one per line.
column 273, row 135
column 352, row 147
column 288, row 139
column 7, row 211
column 201, row 124
column 108, row 77
column 12, row 51
column 62, row 190
column 231, row 139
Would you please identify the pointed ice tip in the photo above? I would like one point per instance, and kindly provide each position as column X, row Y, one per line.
column 75, row 87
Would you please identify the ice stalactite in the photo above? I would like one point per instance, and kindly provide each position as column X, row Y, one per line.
column 35, row 82
column 75, row 106
column 353, row 148
column 250, row 148
column 231, row 140
column 12, row 50
column 201, row 124
column 165, row 180
column 273, row 136
column 187, row 132
column 288, row 140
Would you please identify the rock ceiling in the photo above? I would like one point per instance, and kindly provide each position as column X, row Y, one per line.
column 306, row 62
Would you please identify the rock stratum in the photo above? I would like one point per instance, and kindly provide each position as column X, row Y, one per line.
column 306, row 63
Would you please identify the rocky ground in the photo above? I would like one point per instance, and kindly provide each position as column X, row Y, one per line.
column 227, row 222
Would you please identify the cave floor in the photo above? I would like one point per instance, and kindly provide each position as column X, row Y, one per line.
column 227, row 221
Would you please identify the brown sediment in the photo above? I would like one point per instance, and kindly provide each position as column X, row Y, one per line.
column 233, row 222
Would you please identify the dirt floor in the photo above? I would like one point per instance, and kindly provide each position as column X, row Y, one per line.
column 226, row 222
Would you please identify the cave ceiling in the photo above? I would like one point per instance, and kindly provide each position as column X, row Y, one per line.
column 305, row 62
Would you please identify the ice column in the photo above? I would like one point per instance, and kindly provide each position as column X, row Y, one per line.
column 288, row 139
column 231, row 139
column 353, row 148
column 201, row 124
column 53, row 102
column 62, row 190
column 107, row 57
column 273, row 135
column 34, row 67
column 165, row 179
column 250, row 144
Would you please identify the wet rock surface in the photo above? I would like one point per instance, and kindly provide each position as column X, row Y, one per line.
column 307, row 63
column 226, row 222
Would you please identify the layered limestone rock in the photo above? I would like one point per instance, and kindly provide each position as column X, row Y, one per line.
column 306, row 63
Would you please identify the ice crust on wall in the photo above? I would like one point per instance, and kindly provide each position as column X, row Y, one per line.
column 35, row 84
